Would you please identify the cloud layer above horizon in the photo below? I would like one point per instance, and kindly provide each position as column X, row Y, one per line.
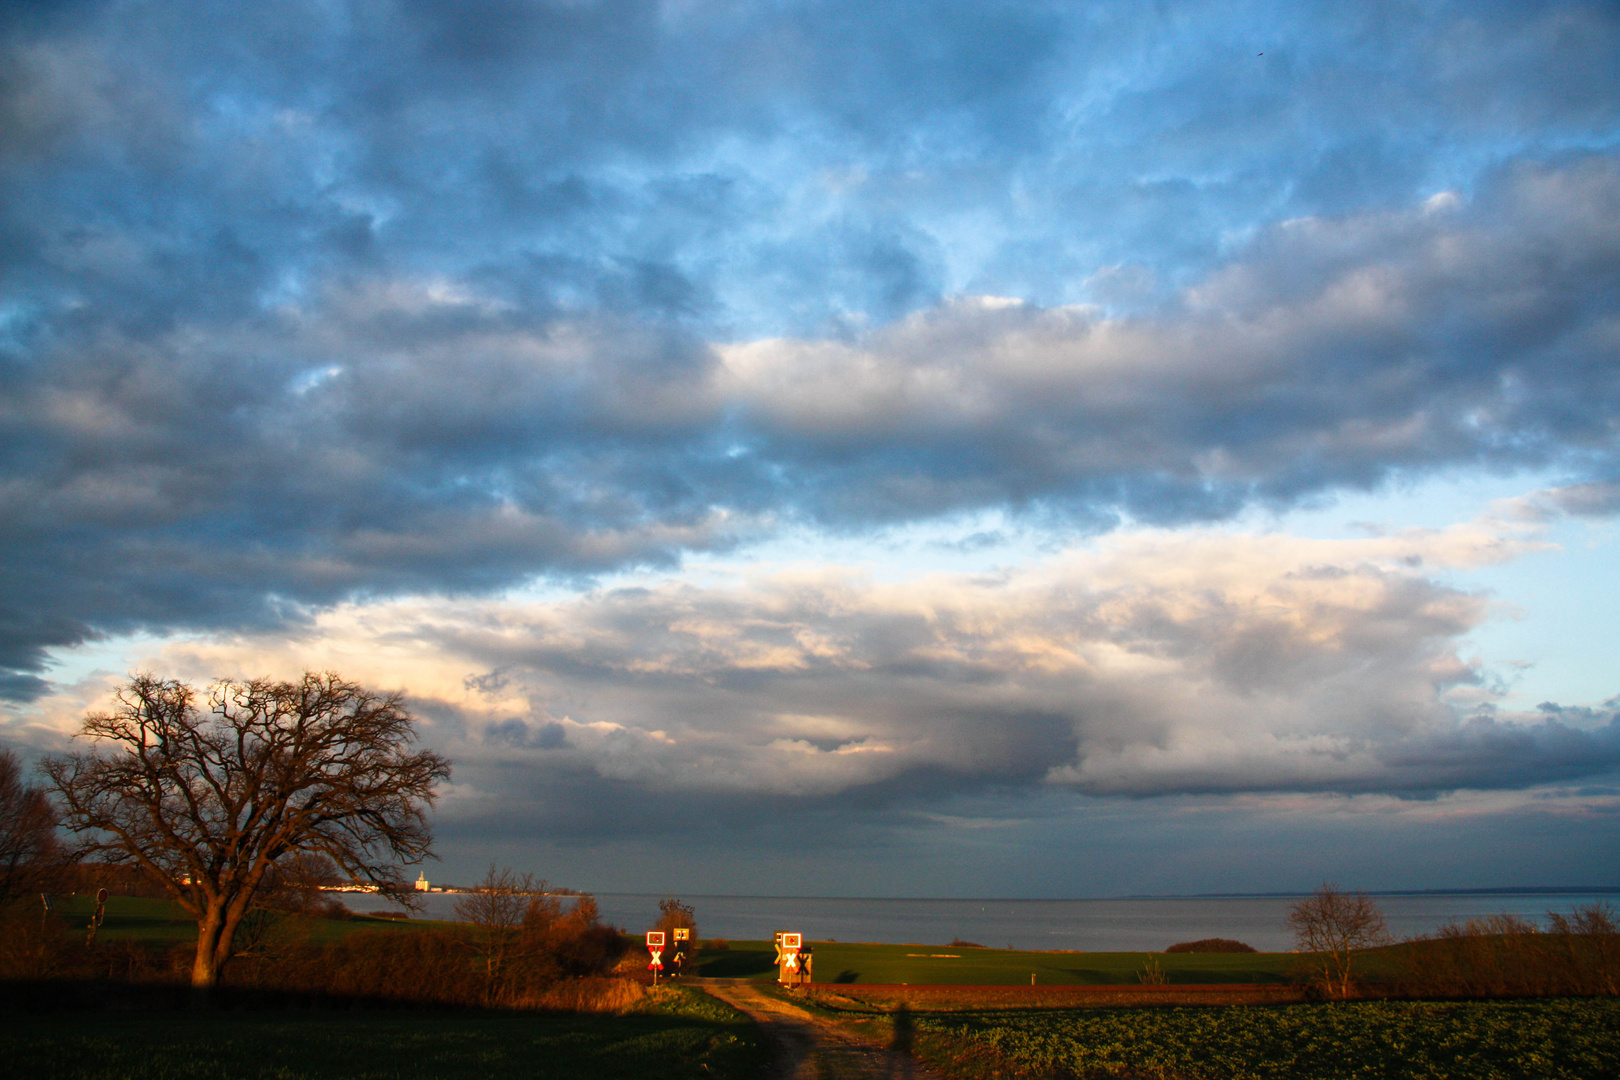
column 486, row 349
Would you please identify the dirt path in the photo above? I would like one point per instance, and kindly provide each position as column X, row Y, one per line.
column 812, row 1048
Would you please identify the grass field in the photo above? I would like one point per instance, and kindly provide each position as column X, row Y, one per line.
column 1557, row 1039
column 684, row 1033
column 837, row 962
column 160, row 922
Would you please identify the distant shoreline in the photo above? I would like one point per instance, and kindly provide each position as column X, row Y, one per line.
column 1520, row 890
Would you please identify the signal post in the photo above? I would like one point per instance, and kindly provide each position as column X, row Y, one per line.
column 793, row 960
column 682, row 936
column 655, row 945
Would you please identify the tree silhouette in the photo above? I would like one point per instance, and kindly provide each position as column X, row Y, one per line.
column 27, row 830
column 207, row 802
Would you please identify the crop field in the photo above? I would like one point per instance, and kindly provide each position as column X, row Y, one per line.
column 1557, row 1039
column 837, row 962
column 685, row 1034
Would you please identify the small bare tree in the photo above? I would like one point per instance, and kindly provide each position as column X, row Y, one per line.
column 27, row 830
column 1331, row 925
column 673, row 914
column 495, row 909
column 206, row 803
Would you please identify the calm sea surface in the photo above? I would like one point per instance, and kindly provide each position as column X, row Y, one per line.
column 1147, row 925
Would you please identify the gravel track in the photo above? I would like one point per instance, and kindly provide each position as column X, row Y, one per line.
column 812, row 1048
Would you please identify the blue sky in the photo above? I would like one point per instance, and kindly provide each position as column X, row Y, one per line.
column 836, row 448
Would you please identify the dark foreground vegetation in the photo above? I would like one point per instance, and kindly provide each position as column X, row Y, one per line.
column 672, row 1033
column 1532, row 1040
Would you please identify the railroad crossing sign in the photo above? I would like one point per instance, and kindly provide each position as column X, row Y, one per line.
column 655, row 945
column 787, row 958
column 682, row 933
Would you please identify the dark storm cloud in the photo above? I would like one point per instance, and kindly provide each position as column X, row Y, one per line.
column 308, row 301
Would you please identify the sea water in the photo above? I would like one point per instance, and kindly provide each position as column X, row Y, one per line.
column 1148, row 924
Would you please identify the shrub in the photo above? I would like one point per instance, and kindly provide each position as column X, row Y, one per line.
column 958, row 943
column 32, row 943
column 1507, row 956
column 1211, row 945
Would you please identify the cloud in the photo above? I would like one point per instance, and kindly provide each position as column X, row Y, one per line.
column 393, row 435
column 440, row 298
column 1150, row 664
column 1333, row 353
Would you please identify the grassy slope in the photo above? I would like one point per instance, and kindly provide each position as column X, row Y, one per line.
column 841, row 962
column 682, row 1034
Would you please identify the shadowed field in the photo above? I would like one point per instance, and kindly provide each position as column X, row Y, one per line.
column 680, row 1034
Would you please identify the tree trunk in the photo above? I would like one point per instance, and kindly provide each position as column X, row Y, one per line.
column 210, row 936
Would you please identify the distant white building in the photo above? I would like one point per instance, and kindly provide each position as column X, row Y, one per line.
column 422, row 882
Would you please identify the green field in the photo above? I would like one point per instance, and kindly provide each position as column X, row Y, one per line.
column 837, row 962
column 162, row 922
column 1557, row 1039
column 685, row 1034
column 159, row 922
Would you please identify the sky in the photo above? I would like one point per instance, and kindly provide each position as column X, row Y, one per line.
column 832, row 448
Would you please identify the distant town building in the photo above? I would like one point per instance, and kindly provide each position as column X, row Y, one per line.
column 422, row 882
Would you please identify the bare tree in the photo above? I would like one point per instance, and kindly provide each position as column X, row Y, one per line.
column 1331, row 925
column 496, row 908
column 672, row 914
column 207, row 803
column 27, row 830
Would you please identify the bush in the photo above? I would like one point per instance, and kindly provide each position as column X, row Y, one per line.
column 430, row 967
column 32, row 943
column 1211, row 945
column 958, row 943
column 557, row 960
column 1507, row 956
